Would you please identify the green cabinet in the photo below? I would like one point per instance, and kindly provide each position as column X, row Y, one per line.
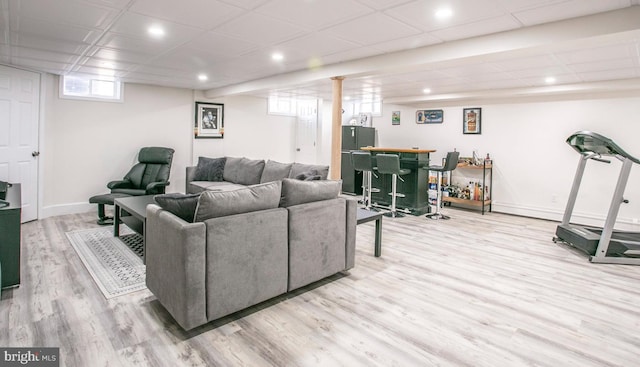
column 10, row 238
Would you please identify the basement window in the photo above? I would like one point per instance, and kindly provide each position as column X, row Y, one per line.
column 91, row 87
column 284, row 106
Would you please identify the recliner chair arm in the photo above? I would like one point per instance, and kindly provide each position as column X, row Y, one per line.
column 119, row 184
column 156, row 187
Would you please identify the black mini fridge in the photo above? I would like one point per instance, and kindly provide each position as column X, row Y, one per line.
column 353, row 138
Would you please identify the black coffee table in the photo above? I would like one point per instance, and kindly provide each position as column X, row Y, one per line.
column 365, row 216
column 132, row 211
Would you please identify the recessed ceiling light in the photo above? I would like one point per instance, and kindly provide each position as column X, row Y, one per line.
column 426, row 91
column 203, row 77
column 277, row 56
column 156, row 31
column 107, row 64
column 444, row 13
column 549, row 80
column 347, row 98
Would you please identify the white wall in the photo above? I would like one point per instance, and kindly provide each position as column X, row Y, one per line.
column 249, row 132
column 533, row 165
column 87, row 144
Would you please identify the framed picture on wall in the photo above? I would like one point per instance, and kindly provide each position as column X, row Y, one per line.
column 209, row 121
column 429, row 116
column 472, row 120
column 395, row 118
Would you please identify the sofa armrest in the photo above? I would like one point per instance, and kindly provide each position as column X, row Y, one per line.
column 190, row 175
column 175, row 259
column 351, row 223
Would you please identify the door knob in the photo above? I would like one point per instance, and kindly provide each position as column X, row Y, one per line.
column 35, row 154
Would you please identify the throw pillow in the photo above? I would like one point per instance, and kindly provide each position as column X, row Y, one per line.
column 274, row 171
column 298, row 168
column 180, row 205
column 209, row 169
column 213, row 204
column 296, row 192
column 243, row 171
column 309, row 176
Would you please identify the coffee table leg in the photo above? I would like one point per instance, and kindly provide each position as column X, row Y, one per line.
column 116, row 221
column 378, row 245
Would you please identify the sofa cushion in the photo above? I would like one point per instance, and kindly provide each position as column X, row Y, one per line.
column 312, row 175
column 296, row 192
column 243, row 171
column 213, row 204
column 298, row 168
column 274, row 171
column 209, row 169
column 181, row 205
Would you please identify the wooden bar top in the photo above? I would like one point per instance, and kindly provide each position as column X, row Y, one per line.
column 398, row 150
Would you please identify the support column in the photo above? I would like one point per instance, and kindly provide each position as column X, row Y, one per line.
column 336, row 129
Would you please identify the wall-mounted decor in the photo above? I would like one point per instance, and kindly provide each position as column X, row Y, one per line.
column 365, row 119
column 471, row 120
column 395, row 118
column 209, row 120
column 429, row 116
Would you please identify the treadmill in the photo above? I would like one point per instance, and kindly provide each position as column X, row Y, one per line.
column 604, row 245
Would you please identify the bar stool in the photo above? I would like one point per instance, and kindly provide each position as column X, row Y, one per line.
column 390, row 164
column 450, row 163
column 363, row 162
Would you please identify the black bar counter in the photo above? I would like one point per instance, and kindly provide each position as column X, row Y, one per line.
column 415, row 185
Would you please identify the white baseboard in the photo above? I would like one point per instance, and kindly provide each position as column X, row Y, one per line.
column 63, row 209
column 556, row 215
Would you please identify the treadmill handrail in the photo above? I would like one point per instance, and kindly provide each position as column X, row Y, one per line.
column 586, row 142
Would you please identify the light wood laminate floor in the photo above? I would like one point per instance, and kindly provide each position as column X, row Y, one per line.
column 476, row 290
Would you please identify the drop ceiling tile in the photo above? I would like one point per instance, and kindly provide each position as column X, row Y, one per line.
column 44, row 65
column 37, row 54
column 383, row 4
column 421, row 14
column 477, row 28
column 195, row 60
column 313, row 14
column 371, row 29
column 37, row 42
column 312, row 47
column 97, row 62
column 150, row 47
column 117, row 4
column 219, row 45
column 57, row 31
column 121, row 55
column 69, row 12
column 204, row 14
column 259, row 29
column 567, row 9
column 539, row 81
column 245, row 4
column 136, row 25
column 519, row 5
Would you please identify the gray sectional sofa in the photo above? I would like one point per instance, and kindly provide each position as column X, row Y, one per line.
column 231, row 173
column 214, row 253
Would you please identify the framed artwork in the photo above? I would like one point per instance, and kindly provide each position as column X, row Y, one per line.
column 395, row 118
column 365, row 119
column 209, row 120
column 429, row 116
column 472, row 120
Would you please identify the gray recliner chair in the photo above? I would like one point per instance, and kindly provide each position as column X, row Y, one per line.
column 150, row 176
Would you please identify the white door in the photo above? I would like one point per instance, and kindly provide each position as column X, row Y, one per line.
column 306, row 131
column 19, row 116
